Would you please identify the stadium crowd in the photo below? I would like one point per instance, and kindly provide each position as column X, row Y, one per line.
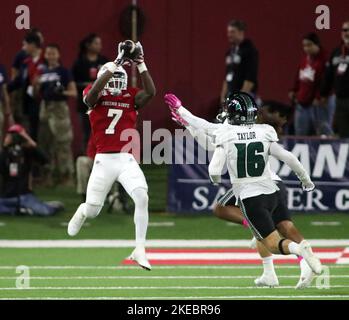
column 35, row 112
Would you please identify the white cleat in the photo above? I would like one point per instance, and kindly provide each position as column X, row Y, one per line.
column 139, row 256
column 307, row 253
column 267, row 280
column 76, row 223
column 253, row 243
column 307, row 276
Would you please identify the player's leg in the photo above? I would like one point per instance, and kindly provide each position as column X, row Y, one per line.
column 83, row 170
column 269, row 277
column 257, row 211
column 103, row 175
column 283, row 221
column 227, row 209
column 133, row 181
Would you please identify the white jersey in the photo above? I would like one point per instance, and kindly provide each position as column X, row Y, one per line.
column 247, row 152
column 206, row 142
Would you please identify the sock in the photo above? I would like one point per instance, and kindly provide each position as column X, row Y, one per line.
column 268, row 265
column 245, row 223
column 141, row 215
column 294, row 248
column 81, row 209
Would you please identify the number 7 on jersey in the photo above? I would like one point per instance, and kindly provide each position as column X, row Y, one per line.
column 116, row 115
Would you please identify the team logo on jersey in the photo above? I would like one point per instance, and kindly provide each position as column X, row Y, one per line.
column 115, row 104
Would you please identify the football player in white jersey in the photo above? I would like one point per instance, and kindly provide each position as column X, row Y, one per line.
column 227, row 209
column 245, row 146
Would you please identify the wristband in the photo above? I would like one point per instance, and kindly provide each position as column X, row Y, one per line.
column 142, row 67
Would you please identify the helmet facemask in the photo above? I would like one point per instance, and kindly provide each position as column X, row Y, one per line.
column 117, row 83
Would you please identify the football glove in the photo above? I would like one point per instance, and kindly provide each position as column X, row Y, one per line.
column 308, row 186
column 140, row 57
column 173, row 102
column 178, row 119
column 120, row 59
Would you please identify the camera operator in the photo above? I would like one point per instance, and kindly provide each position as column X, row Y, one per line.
column 16, row 160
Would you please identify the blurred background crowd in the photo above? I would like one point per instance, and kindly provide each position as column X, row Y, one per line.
column 36, row 125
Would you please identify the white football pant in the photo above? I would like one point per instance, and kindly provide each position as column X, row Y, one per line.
column 121, row 167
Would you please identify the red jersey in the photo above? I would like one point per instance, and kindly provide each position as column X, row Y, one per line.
column 34, row 67
column 110, row 117
column 309, row 76
column 91, row 148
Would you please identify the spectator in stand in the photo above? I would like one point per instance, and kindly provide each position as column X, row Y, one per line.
column 241, row 62
column 85, row 71
column 22, row 54
column 17, row 85
column 19, row 154
column 275, row 114
column 31, row 69
column 310, row 117
column 55, row 86
column 337, row 78
column 5, row 112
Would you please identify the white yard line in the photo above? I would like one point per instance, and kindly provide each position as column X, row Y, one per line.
column 162, row 224
column 151, row 243
column 157, row 288
column 235, row 277
column 159, row 267
column 326, row 223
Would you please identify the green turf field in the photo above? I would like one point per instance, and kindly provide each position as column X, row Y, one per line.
column 97, row 273
column 93, row 274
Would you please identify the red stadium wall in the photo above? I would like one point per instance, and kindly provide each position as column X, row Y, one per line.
column 184, row 40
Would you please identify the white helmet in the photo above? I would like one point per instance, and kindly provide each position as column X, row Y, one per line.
column 117, row 82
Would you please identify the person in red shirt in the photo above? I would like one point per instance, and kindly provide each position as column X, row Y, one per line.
column 310, row 117
column 32, row 67
column 113, row 110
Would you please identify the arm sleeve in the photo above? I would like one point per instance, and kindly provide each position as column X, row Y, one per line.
column 204, row 140
column 280, row 153
column 216, row 165
column 198, row 123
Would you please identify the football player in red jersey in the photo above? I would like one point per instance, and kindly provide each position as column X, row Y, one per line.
column 112, row 109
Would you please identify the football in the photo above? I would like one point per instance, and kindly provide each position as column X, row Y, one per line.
column 131, row 50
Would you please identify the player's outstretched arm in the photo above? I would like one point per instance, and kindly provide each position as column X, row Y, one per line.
column 95, row 92
column 149, row 90
column 280, row 153
column 216, row 165
column 177, row 109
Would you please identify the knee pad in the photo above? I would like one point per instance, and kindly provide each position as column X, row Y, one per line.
column 140, row 197
column 91, row 211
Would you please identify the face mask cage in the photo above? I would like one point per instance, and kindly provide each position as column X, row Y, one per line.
column 117, row 83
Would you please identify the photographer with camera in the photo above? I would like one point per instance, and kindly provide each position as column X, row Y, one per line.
column 19, row 154
column 55, row 85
